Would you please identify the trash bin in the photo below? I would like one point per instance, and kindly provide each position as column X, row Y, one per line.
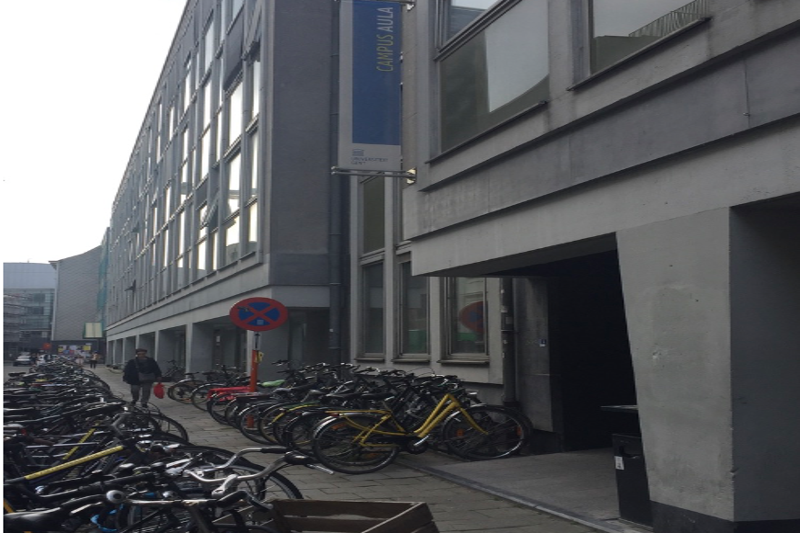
column 632, row 491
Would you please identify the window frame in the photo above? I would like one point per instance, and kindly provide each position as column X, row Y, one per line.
column 449, row 318
column 404, row 262
column 447, row 47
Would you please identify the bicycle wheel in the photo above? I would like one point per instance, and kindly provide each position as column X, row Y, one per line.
column 500, row 432
column 216, row 406
column 289, row 414
column 269, row 416
column 200, row 394
column 340, row 445
column 181, row 392
column 170, row 426
column 299, row 433
column 248, row 422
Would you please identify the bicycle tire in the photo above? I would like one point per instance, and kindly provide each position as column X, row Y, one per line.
column 299, row 433
column 248, row 422
column 216, row 406
column 267, row 418
column 200, row 394
column 170, row 426
column 503, row 432
column 181, row 392
column 335, row 446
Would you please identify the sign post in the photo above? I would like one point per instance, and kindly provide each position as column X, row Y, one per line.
column 258, row 314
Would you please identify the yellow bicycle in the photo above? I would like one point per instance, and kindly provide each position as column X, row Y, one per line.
column 359, row 441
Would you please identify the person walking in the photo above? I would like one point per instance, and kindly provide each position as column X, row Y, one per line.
column 140, row 373
column 93, row 360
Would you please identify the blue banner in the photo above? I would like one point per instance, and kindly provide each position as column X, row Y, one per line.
column 370, row 77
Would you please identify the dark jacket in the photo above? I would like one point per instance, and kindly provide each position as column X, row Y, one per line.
column 132, row 368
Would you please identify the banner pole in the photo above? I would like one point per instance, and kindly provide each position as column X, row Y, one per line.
column 254, row 363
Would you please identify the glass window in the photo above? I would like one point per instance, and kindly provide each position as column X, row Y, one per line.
column 208, row 46
column 254, row 165
column 231, row 241
column 180, row 228
column 165, row 252
column 212, row 247
column 206, row 105
column 251, row 242
column 204, row 155
column 372, row 308
column 373, row 223
column 237, row 5
column 232, row 194
column 180, row 272
column 621, row 27
column 256, row 87
column 235, row 114
column 500, row 72
column 459, row 13
column 201, row 259
column 466, row 309
column 413, row 311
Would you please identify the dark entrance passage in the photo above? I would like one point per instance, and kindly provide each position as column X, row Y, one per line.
column 576, row 350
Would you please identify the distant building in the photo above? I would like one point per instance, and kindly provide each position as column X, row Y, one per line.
column 77, row 319
column 28, row 295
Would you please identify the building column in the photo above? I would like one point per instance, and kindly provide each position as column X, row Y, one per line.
column 711, row 302
column 199, row 347
column 165, row 347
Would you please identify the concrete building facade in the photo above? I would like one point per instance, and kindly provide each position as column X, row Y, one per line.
column 630, row 174
column 603, row 211
column 226, row 196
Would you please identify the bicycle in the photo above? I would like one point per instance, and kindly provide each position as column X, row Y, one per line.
column 173, row 371
column 367, row 440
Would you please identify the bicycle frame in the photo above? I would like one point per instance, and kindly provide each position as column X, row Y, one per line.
column 447, row 405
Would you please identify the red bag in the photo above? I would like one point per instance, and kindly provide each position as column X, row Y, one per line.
column 158, row 390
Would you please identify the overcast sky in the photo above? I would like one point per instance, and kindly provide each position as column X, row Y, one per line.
column 78, row 77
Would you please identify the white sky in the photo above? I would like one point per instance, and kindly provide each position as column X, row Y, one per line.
column 78, row 77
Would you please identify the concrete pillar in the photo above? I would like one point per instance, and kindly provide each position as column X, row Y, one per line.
column 676, row 285
column 164, row 348
column 200, row 347
column 128, row 349
column 713, row 301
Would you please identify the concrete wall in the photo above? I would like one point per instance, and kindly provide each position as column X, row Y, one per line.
column 765, row 335
column 702, row 88
column 676, row 285
column 78, row 282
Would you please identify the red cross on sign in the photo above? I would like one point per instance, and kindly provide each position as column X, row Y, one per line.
column 259, row 314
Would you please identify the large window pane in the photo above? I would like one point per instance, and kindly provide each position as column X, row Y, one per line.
column 621, row 27
column 256, row 87
column 231, row 242
column 373, row 224
column 201, row 257
column 232, row 194
column 252, row 228
column 372, row 308
column 205, row 153
column 254, row 165
column 235, row 114
column 497, row 74
column 459, row 13
column 414, row 311
column 466, row 311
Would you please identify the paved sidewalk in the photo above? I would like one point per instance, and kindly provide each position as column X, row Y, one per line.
column 455, row 506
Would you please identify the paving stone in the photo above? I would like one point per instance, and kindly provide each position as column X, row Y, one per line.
column 455, row 507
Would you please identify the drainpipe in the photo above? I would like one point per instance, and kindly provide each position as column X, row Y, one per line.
column 336, row 207
column 507, row 335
